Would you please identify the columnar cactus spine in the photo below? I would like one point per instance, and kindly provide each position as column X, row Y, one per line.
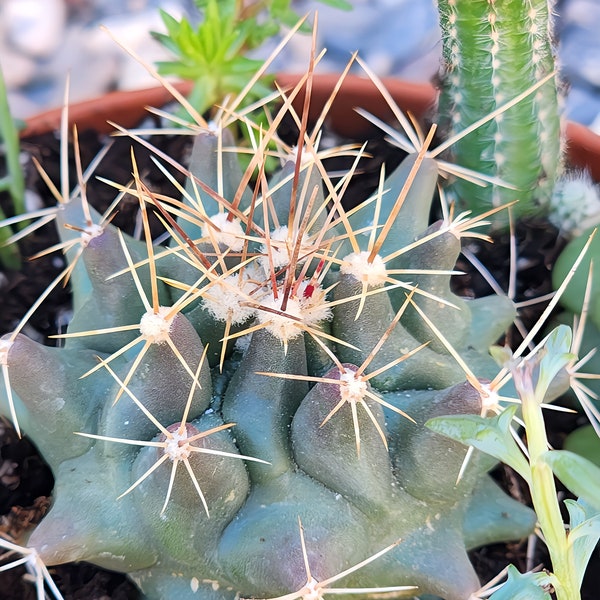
column 493, row 51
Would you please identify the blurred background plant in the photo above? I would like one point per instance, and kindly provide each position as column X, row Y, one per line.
column 215, row 53
column 12, row 181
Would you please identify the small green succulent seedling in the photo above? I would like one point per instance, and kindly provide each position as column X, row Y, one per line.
column 13, row 181
column 215, row 54
column 276, row 361
column 493, row 51
column 571, row 546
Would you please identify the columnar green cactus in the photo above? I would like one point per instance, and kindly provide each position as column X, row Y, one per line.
column 493, row 51
column 271, row 365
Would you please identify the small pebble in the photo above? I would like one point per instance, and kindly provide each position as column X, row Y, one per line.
column 35, row 27
column 17, row 68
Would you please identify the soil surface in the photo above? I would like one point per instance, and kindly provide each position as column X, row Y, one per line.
column 26, row 482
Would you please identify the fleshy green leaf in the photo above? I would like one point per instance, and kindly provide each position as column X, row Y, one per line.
column 585, row 442
column 584, row 533
column 575, row 291
column 556, row 355
column 524, row 586
column 491, row 435
column 580, row 475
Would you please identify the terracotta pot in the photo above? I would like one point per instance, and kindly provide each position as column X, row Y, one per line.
column 127, row 108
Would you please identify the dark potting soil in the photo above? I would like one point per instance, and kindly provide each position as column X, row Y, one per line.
column 26, row 482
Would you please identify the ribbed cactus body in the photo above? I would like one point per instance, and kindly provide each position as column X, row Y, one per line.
column 493, row 51
column 193, row 478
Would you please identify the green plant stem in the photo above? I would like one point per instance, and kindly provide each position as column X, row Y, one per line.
column 14, row 182
column 10, row 137
column 543, row 494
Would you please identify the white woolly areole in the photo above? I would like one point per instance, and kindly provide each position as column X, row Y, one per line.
column 231, row 233
column 155, row 328
column 353, row 389
column 309, row 311
column 313, row 302
column 313, row 592
column 226, row 298
column 89, row 233
column 213, row 127
column 281, row 248
column 490, row 399
column 5, row 346
column 306, row 159
column 372, row 273
column 174, row 449
column 281, row 326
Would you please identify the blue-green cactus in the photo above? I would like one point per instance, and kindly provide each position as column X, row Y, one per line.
column 269, row 365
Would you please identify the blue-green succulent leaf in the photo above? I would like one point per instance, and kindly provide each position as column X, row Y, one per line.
column 491, row 435
column 579, row 475
column 584, row 533
column 524, row 586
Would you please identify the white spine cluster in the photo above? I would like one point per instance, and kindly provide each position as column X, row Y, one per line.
column 300, row 313
column 490, row 399
column 175, row 449
column 314, row 304
column 281, row 248
column 575, row 204
column 89, row 233
column 312, row 590
column 541, row 44
column 227, row 299
column 155, row 327
column 353, row 388
column 371, row 272
column 454, row 60
column 306, row 158
column 284, row 326
column 495, row 56
column 224, row 231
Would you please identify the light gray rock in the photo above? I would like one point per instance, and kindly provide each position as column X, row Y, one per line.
column 134, row 31
column 392, row 36
column 17, row 68
column 35, row 27
column 579, row 55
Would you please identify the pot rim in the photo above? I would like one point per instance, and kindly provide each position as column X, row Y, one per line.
column 582, row 146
